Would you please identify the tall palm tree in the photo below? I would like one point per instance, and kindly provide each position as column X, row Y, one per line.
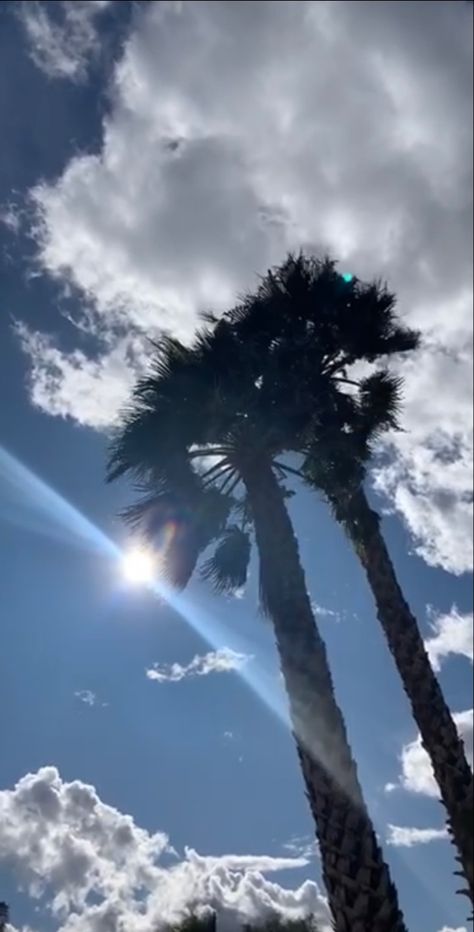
column 325, row 322
column 438, row 731
column 207, row 400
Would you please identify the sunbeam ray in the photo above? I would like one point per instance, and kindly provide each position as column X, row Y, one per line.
column 28, row 501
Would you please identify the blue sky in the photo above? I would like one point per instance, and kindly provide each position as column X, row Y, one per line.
column 155, row 159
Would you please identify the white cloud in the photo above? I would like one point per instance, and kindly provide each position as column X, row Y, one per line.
column 429, row 478
column 95, row 869
column 301, row 846
column 406, row 837
column 280, row 133
column 322, row 612
column 90, row 390
column 417, row 774
column 86, row 696
column 224, row 660
column 452, row 634
column 62, row 41
column 10, row 928
column 450, row 929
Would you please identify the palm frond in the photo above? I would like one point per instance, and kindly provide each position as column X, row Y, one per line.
column 380, row 399
column 228, row 567
column 179, row 526
column 170, row 355
column 306, row 298
column 335, row 463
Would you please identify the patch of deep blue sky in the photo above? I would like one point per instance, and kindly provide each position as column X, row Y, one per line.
column 68, row 624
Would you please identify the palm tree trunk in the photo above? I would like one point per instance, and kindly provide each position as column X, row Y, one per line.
column 432, row 715
column 362, row 896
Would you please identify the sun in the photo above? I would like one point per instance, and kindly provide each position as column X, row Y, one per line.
column 139, row 566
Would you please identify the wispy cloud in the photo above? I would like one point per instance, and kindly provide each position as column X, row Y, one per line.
column 452, row 634
column 407, row 837
column 301, row 846
column 224, row 660
column 90, row 698
column 86, row 696
column 324, row 612
column 64, row 41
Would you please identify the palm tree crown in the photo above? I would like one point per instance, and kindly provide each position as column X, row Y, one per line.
column 249, row 386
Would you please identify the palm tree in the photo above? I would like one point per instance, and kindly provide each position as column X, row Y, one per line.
column 325, row 322
column 206, row 400
column 438, row 731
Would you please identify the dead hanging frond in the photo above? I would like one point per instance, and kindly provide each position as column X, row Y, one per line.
column 227, row 569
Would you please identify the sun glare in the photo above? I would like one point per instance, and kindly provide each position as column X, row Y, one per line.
column 139, row 566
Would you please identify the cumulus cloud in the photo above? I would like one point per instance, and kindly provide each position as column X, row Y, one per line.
column 95, row 869
column 309, row 123
column 406, row 837
column 62, row 37
column 224, row 660
column 417, row 774
column 452, row 634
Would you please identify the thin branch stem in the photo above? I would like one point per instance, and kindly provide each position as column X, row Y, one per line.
column 337, row 365
column 295, row 472
column 348, row 382
column 217, row 466
column 227, row 480
column 208, row 451
column 215, row 478
column 233, row 486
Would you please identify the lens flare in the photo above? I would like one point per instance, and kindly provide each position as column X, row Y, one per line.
column 139, row 566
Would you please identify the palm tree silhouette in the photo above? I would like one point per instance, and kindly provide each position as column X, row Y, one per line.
column 219, row 398
column 323, row 323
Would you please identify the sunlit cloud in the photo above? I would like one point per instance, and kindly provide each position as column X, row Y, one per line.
column 452, row 634
column 92, row 867
column 416, row 771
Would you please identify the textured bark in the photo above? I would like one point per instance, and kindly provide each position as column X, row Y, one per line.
column 361, row 894
column 432, row 715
